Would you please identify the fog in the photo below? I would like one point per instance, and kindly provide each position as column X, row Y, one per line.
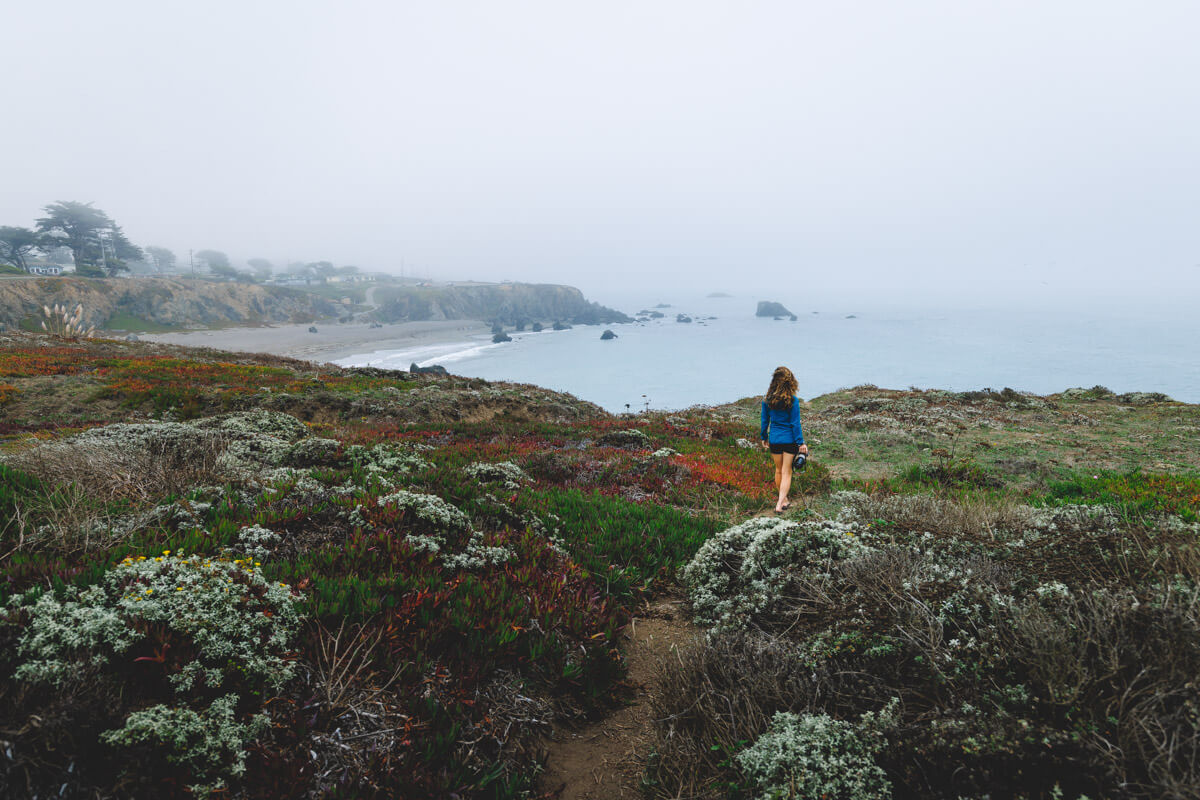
column 985, row 151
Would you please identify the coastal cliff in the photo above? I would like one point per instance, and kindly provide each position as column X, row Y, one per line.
column 506, row 303
column 149, row 303
column 169, row 302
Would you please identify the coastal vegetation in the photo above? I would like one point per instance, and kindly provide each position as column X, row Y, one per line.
column 231, row 575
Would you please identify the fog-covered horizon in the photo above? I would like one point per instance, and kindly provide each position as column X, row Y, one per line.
column 916, row 151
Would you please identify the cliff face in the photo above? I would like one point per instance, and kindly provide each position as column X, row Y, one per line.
column 506, row 303
column 176, row 302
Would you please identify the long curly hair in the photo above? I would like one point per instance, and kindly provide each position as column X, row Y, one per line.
column 783, row 388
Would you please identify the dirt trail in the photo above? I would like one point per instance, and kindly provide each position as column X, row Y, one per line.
column 606, row 759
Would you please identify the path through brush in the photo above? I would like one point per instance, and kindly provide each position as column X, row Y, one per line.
column 606, row 759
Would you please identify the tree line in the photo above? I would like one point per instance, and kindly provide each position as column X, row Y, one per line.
column 81, row 233
column 93, row 239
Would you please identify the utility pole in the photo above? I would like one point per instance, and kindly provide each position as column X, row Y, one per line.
column 191, row 263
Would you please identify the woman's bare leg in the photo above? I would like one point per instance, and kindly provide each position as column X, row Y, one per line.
column 784, row 473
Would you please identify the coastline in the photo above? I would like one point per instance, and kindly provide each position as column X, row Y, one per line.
column 331, row 342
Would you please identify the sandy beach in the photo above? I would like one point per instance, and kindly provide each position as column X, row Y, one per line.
column 332, row 341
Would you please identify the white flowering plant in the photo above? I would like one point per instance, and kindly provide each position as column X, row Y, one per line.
column 213, row 628
column 742, row 570
column 505, row 473
column 435, row 526
column 236, row 623
column 210, row 744
column 815, row 756
column 383, row 463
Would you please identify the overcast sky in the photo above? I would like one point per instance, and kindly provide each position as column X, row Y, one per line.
column 1035, row 146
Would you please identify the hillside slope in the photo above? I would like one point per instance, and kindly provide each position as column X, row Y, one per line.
column 255, row 577
column 506, row 303
column 173, row 302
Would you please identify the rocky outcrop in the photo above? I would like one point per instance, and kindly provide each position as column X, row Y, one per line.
column 432, row 369
column 504, row 303
column 175, row 302
column 607, row 335
column 768, row 308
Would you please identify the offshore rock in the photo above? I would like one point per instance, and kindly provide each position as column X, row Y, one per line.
column 432, row 369
column 769, row 308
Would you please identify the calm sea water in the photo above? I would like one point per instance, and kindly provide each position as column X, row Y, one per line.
column 728, row 353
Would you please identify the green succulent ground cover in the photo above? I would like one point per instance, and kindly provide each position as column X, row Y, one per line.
column 415, row 579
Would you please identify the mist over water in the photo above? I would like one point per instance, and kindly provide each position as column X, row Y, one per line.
column 833, row 344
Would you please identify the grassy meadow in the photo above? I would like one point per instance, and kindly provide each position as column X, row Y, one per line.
column 246, row 576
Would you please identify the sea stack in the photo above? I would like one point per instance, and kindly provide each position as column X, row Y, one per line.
column 769, row 308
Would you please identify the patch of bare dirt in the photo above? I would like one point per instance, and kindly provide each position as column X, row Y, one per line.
column 606, row 759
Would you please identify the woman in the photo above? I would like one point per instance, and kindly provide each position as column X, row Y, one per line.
column 781, row 430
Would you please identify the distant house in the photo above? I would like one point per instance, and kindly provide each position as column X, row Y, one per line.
column 353, row 278
column 288, row 279
column 45, row 269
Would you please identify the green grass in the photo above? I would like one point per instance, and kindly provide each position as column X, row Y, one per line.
column 121, row 321
column 625, row 545
column 1133, row 493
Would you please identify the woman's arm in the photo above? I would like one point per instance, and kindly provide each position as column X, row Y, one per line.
column 765, row 423
column 796, row 426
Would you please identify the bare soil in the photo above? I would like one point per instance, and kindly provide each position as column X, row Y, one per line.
column 605, row 760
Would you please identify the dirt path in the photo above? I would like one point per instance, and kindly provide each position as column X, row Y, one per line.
column 606, row 759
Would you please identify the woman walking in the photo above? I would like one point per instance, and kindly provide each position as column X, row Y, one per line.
column 781, row 430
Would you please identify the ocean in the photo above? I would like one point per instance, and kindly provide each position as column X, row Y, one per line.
column 727, row 352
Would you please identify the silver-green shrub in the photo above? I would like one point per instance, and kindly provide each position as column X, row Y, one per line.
column 239, row 624
column 259, row 421
column 211, row 744
column 445, row 530
column 217, row 603
column 256, row 541
column 741, row 570
column 384, row 462
column 505, row 473
column 430, row 512
column 813, row 756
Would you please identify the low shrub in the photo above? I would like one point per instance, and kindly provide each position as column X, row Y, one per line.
column 1037, row 650
column 814, row 755
column 741, row 571
column 185, row 630
column 138, row 462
